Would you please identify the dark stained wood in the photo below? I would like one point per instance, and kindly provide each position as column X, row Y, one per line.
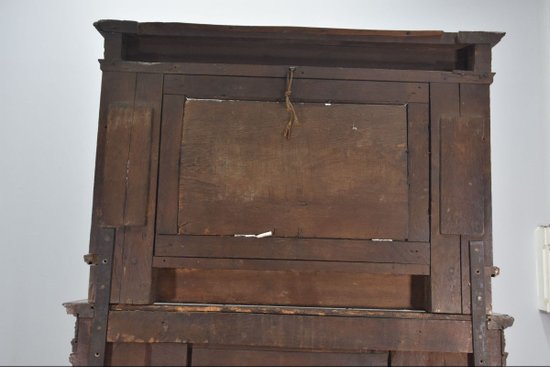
column 309, row 265
column 139, row 240
column 141, row 354
column 429, row 359
column 172, row 119
column 118, row 265
column 212, row 356
column 311, row 90
column 474, row 101
column 96, row 352
column 119, row 126
column 290, row 287
column 138, row 167
column 293, row 249
column 479, row 317
column 419, row 171
column 291, row 331
column 292, row 310
column 80, row 350
column 306, row 72
column 445, row 276
column 236, row 179
column 462, row 159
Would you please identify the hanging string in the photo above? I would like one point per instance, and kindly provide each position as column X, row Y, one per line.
column 292, row 117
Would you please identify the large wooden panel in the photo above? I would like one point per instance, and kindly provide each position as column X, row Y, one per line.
column 293, row 249
column 217, row 356
column 343, row 173
column 462, row 187
column 290, row 287
column 292, row 331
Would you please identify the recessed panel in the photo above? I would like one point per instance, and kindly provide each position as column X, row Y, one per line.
column 342, row 174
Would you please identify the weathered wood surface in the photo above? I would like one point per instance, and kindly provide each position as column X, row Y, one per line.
column 139, row 240
column 307, row 72
column 446, row 291
column 429, row 359
column 291, row 265
column 290, row 287
column 462, row 201
column 237, row 179
column 293, row 249
column 311, row 90
column 291, row 331
column 216, row 356
column 142, row 354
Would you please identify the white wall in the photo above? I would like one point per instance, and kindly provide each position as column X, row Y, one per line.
column 49, row 89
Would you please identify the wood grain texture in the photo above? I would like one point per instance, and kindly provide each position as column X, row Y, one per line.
column 462, row 187
column 168, row 180
column 142, row 354
column 139, row 240
column 217, row 356
column 429, row 359
column 474, row 101
column 306, row 72
column 312, row 90
column 418, row 118
column 238, row 175
column 290, row 287
column 291, row 331
column 293, row 249
column 445, row 249
column 290, row 265
column 116, row 88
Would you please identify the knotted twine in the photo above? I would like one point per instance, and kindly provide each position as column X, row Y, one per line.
column 292, row 117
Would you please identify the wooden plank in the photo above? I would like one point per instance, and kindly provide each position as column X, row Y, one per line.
column 172, row 119
column 291, row 310
column 268, row 264
column 80, row 350
column 479, row 317
column 465, row 274
column 218, row 356
column 142, row 354
column 117, row 87
column 238, row 179
column 462, row 187
column 117, row 145
column 96, row 356
column 419, row 171
column 139, row 240
column 311, row 90
column 429, row 359
column 290, row 287
column 291, row 331
column 445, row 249
column 474, row 101
column 293, row 249
column 138, row 166
column 306, row 72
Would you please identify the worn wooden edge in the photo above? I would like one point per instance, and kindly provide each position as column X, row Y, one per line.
column 290, row 331
column 309, row 72
column 296, row 33
column 291, row 310
column 80, row 308
column 290, row 265
column 499, row 321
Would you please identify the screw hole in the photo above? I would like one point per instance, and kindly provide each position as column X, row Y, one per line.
column 104, row 261
column 96, row 354
column 478, row 272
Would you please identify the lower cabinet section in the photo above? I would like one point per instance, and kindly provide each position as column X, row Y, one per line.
column 239, row 335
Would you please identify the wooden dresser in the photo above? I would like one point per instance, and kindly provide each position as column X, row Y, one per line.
column 291, row 196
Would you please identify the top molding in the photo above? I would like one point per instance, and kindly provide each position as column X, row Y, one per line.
column 298, row 33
